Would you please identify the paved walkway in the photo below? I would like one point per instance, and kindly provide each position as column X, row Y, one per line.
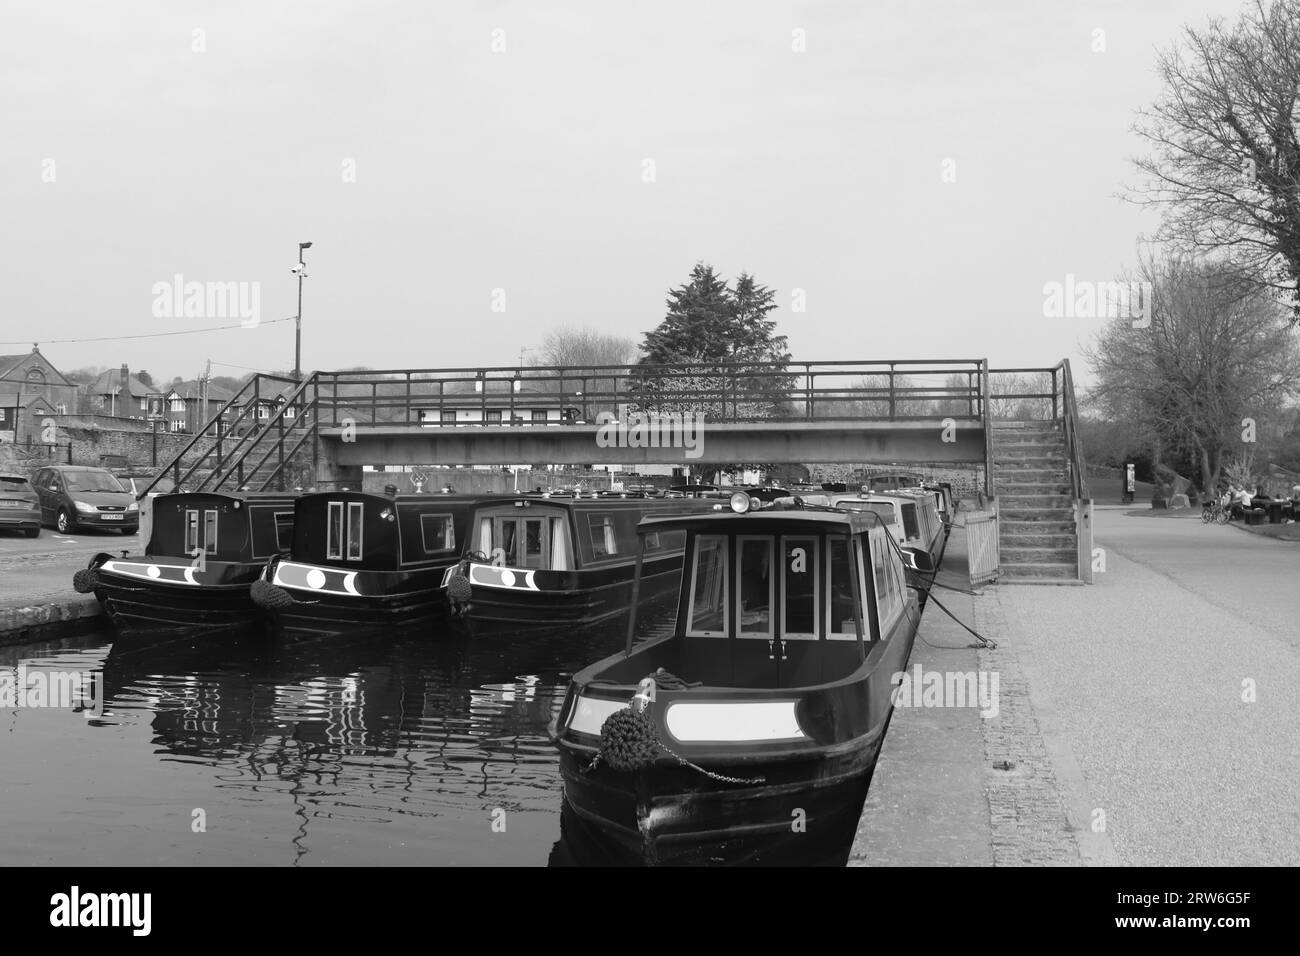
column 1150, row 719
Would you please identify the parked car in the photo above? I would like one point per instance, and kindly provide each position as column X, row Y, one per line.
column 20, row 508
column 76, row 496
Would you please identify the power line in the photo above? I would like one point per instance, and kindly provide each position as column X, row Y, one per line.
column 152, row 335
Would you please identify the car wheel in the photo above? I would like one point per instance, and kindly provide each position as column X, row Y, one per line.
column 64, row 522
column 33, row 532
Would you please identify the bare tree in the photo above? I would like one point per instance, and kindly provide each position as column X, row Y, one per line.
column 1225, row 165
column 1218, row 352
column 584, row 347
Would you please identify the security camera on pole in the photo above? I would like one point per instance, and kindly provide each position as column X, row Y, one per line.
column 300, row 270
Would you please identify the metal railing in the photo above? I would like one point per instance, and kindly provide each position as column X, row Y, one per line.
column 245, row 450
column 1059, row 397
column 728, row 392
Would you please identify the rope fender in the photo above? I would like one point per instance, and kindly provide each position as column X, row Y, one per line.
column 270, row 597
column 459, row 591
column 85, row 581
column 629, row 741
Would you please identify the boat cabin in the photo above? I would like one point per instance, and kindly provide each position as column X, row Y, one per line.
column 885, row 507
column 554, row 532
column 778, row 598
column 358, row 530
column 235, row 527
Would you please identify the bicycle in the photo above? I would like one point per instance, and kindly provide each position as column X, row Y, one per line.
column 1212, row 512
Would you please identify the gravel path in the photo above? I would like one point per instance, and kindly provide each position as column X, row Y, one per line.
column 1147, row 670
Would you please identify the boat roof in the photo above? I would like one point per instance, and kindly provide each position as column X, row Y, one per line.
column 766, row 520
column 234, row 495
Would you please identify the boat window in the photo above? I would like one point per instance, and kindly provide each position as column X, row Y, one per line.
column 284, row 530
column 191, row 531
column 334, row 531
column 652, row 542
column 437, row 533
column 757, row 586
column 355, row 509
column 494, row 416
column 841, row 615
column 883, row 508
column 707, row 614
column 887, row 599
column 210, row 532
column 800, row 559
column 603, row 542
column 910, row 528
column 485, row 536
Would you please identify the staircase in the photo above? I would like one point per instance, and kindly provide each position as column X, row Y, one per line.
column 1037, row 536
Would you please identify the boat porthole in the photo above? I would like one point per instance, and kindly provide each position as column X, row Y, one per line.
column 316, row 578
column 508, row 578
column 153, row 571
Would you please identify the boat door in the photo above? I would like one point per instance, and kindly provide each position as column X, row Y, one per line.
column 521, row 541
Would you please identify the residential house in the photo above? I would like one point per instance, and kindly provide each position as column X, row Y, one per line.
column 189, row 406
column 31, row 388
column 118, row 394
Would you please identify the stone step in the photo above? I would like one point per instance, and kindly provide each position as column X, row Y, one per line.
column 1034, row 502
column 1020, row 444
column 1053, row 523
column 1011, row 424
column 1065, row 571
column 1028, row 458
column 1005, row 487
column 1052, row 476
column 1020, row 538
column 1048, row 556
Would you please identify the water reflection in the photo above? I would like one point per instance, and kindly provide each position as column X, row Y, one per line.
column 383, row 749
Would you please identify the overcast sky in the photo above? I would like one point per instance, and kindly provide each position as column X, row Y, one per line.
column 429, row 170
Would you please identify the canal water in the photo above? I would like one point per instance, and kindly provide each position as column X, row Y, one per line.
column 403, row 748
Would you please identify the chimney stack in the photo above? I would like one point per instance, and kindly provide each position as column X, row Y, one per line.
column 124, row 383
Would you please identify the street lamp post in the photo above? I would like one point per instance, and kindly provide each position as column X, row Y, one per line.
column 301, row 271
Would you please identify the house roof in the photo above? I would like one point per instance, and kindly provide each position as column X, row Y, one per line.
column 10, row 362
column 194, row 389
column 107, row 383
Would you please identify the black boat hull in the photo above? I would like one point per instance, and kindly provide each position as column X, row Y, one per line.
column 384, row 599
column 140, row 607
column 803, row 812
column 590, row 598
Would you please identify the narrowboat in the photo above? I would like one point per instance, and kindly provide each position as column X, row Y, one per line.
column 883, row 505
column 204, row 552
column 759, row 716
column 923, row 523
column 363, row 560
column 558, row 560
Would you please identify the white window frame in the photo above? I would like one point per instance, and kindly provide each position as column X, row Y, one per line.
column 357, row 508
column 814, row 555
column 855, row 555
column 210, row 523
column 448, row 524
column 887, row 588
column 772, row 609
column 725, row 552
column 191, row 530
column 333, row 547
column 609, row 535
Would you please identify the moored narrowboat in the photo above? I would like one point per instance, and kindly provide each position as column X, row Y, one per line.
column 560, row 560
column 766, row 703
column 204, row 552
column 362, row 560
